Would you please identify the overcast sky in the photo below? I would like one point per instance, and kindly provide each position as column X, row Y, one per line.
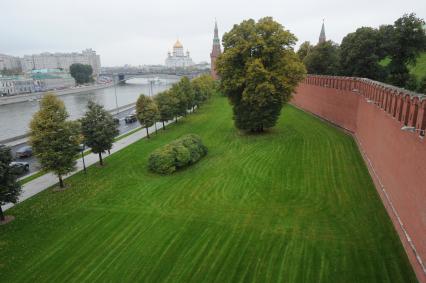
column 140, row 32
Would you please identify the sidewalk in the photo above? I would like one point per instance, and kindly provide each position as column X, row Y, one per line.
column 49, row 179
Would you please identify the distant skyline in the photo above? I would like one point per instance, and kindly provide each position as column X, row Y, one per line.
column 138, row 32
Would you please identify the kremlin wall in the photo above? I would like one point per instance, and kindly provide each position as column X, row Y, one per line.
column 375, row 113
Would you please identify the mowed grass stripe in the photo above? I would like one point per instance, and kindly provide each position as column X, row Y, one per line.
column 295, row 204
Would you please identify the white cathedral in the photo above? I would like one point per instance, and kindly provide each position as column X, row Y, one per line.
column 178, row 58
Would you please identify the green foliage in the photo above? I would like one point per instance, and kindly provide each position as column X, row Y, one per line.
column 407, row 40
column 323, row 59
column 178, row 154
column 304, row 50
column 167, row 105
column 259, row 71
column 360, row 54
column 98, row 129
column 282, row 207
column 82, row 73
column 54, row 139
column 421, row 86
column 146, row 112
column 9, row 186
column 204, row 87
column 184, row 95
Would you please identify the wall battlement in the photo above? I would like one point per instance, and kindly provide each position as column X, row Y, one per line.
column 376, row 113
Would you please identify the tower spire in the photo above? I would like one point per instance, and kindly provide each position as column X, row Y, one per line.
column 216, row 51
column 322, row 37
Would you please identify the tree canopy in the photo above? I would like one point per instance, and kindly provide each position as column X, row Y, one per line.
column 146, row 112
column 167, row 106
column 9, row 187
column 259, row 70
column 360, row 54
column 98, row 129
column 323, row 59
column 55, row 140
column 82, row 73
column 304, row 49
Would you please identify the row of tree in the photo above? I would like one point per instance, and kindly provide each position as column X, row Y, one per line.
column 382, row 54
column 56, row 140
column 170, row 104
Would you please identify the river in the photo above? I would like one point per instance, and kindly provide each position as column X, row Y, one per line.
column 15, row 118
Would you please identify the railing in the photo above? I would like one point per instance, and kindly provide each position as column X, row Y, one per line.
column 407, row 107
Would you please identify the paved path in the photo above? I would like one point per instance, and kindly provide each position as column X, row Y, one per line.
column 47, row 180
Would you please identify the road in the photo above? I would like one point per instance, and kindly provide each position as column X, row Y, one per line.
column 35, row 166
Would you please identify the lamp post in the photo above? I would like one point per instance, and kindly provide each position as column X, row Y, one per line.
column 115, row 93
column 82, row 147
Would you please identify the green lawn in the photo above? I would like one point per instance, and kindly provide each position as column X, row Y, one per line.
column 293, row 205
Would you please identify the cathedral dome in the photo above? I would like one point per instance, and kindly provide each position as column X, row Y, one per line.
column 177, row 44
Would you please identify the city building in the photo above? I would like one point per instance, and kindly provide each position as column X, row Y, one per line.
column 62, row 61
column 178, row 59
column 51, row 79
column 11, row 85
column 8, row 62
column 322, row 37
column 216, row 51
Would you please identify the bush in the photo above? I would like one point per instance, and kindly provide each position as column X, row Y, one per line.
column 178, row 154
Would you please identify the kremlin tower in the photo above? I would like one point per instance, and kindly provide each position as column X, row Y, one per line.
column 215, row 52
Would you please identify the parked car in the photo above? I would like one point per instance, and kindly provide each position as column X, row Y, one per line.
column 20, row 167
column 116, row 121
column 130, row 118
column 25, row 151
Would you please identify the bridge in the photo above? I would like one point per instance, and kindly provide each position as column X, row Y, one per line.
column 124, row 75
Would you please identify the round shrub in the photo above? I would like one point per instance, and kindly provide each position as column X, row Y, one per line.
column 178, row 154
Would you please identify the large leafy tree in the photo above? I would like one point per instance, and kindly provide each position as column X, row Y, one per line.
column 360, row 54
column 98, row 129
column 259, row 71
column 146, row 112
column 167, row 105
column 9, row 187
column 203, row 87
column 408, row 40
column 304, row 49
column 55, row 140
column 323, row 59
column 82, row 73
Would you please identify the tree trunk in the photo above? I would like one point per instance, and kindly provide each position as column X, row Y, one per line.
column 164, row 126
column 155, row 126
column 2, row 218
column 176, row 119
column 101, row 162
column 61, row 182
column 147, row 133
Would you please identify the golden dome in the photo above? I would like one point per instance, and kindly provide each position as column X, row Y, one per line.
column 177, row 44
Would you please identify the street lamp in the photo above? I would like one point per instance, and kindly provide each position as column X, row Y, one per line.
column 115, row 93
column 82, row 148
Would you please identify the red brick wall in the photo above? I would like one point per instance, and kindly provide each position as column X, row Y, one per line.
column 375, row 113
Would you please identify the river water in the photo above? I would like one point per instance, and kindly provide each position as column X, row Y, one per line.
column 15, row 118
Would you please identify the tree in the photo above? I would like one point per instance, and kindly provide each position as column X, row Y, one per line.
column 259, row 71
column 203, row 87
column 98, row 128
column 323, row 59
column 408, row 40
column 360, row 54
column 304, row 50
column 9, row 187
column 54, row 139
column 167, row 105
column 82, row 73
column 146, row 112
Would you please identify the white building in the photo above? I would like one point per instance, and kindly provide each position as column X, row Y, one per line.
column 11, row 85
column 8, row 62
column 178, row 59
column 61, row 61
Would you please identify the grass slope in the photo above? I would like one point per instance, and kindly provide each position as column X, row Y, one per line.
column 293, row 205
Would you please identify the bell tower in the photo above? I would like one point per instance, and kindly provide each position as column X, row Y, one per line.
column 216, row 51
